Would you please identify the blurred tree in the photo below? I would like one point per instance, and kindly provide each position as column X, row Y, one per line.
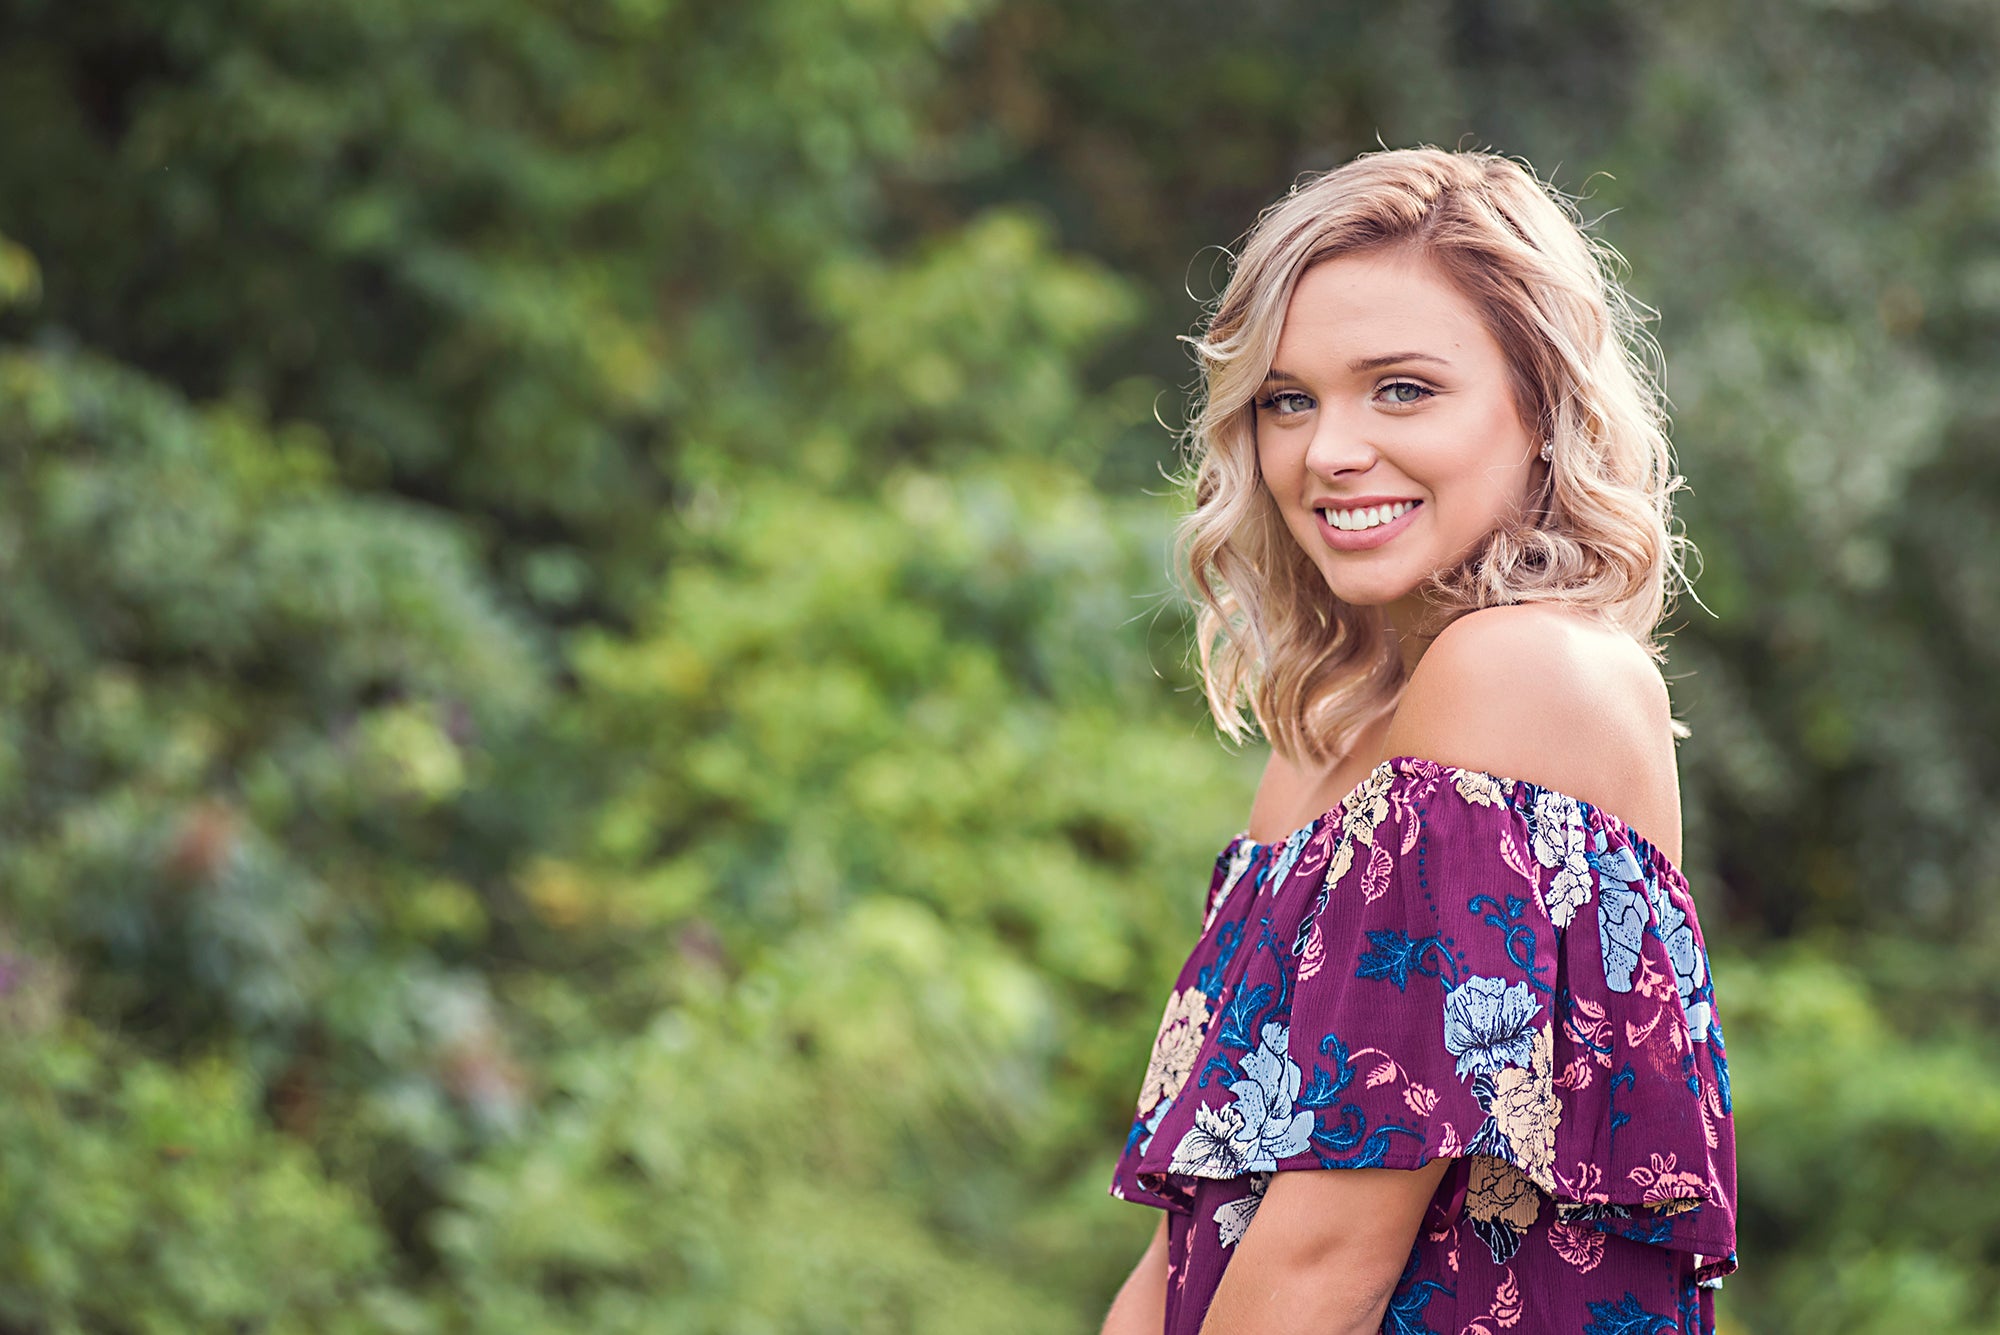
column 523, row 851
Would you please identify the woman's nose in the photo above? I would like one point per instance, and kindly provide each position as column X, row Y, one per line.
column 1338, row 446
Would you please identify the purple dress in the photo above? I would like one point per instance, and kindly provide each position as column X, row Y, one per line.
column 1452, row 964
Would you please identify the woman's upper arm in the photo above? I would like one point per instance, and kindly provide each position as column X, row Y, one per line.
column 1324, row 1251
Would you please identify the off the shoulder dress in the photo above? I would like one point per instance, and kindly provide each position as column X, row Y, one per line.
column 1454, row 964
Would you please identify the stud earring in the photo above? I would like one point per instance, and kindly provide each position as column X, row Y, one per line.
column 1548, row 450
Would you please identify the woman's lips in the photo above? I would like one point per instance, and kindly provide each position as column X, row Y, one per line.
column 1346, row 540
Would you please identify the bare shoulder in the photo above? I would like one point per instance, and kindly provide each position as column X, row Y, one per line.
column 1549, row 695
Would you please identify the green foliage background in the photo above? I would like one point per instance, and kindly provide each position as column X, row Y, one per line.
column 592, row 732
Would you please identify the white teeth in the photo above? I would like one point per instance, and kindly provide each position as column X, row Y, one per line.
column 1353, row 521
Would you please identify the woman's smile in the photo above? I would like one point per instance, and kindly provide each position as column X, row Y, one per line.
column 1359, row 527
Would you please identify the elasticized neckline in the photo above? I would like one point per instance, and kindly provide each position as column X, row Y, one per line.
column 1649, row 852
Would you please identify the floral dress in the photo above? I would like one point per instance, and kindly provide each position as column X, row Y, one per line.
column 1453, row 964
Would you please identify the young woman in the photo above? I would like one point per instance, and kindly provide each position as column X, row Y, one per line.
column 1452, row 963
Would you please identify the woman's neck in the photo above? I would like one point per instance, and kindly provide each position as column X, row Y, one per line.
column 1409, row 624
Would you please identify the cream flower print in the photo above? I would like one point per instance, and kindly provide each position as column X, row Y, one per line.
column 1361, row 814
column 1501, row 1204
column 1343, row 860
column 1368, row 805
column 1175, row 1047
column 1527, row 1112
column 1557, row 838
column 1496, row 1190
column 1479, row 788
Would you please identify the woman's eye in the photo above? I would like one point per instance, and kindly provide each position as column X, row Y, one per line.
column 1285, row 402
column 1404, row 392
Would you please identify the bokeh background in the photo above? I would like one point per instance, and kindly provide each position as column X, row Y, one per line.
column 594, row 735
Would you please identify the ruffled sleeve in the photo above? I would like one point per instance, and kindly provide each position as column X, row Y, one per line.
column 1453, row 963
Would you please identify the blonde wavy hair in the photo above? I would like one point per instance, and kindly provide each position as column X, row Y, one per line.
column 1597, row 535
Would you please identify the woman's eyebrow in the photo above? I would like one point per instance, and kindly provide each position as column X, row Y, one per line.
column 1361, row 366
column 1365, row 364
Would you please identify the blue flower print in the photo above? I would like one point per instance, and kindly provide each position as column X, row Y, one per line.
column 1489, row 1023
column 1232, row 1218
column 1268, row 1090
column 1142, row 1131
column 1288, row 857
column 1261, row 1127
column 1620, row 863
column 1621, row 932
column 1627, row 1317
column 1690, row 967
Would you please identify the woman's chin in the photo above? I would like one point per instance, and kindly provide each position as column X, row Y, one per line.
column 1370, row 593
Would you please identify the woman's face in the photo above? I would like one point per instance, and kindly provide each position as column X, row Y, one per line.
column 1389, row 399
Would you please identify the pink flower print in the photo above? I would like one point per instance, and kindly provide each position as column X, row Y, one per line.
column 1504, row 1310
column 1383, row 1071
column 1589, row 1027
column 1313, row 957
column 1318, row 851
column 1652, row 983
column 1375, row 880
column 1430, row 771
column 1584, row 1186
column 1579, row 1244
column 1411, row 825
column 1662, row 1183
column 1421, row 1098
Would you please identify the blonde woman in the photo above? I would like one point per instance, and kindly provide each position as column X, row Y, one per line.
column 1452, row 964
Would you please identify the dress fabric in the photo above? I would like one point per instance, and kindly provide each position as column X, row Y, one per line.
column 1455, row 964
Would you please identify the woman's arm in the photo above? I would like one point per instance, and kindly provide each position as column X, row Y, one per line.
column 1324, row 1252
column 1141, row 1305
